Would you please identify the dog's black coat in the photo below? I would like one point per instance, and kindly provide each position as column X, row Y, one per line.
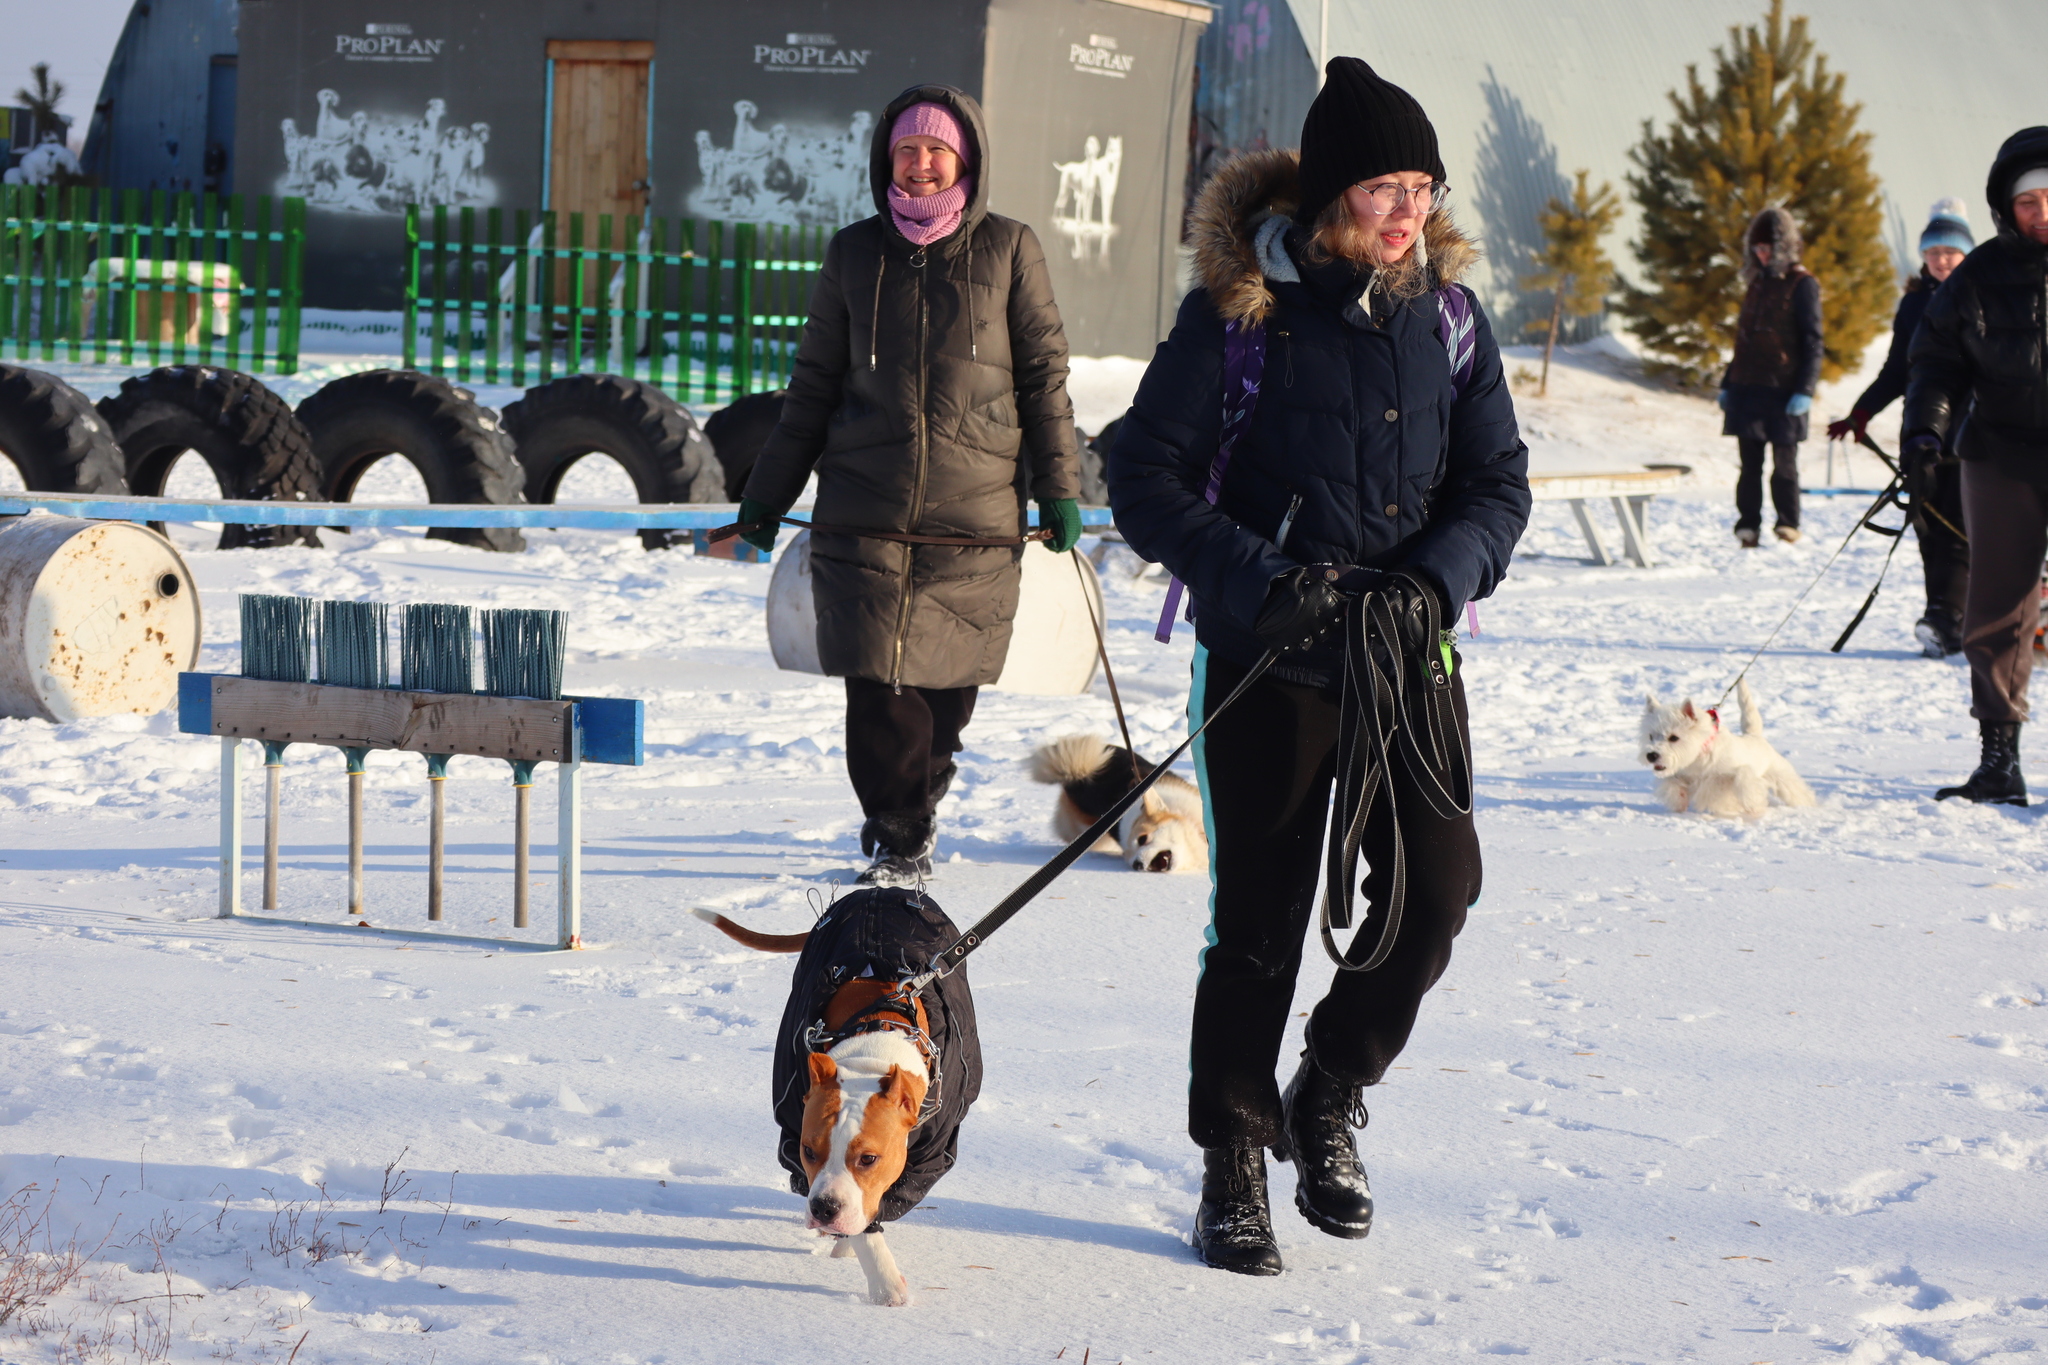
column 1101, row 790
column 889, row 932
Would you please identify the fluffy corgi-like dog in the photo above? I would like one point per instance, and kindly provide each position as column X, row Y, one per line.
column 1704, row 768
column 1162, row 833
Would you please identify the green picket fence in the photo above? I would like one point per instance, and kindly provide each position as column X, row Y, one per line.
column 144, row 277
column 706, row 310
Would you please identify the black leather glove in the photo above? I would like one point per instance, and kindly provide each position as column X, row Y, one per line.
column 1301, row 606
column 1920, row 452
column 1409, row 595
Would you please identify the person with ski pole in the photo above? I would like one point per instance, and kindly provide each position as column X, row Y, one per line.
column 1979, row 385
column 1934, row 488
column 1328, row 418
column 1768, row 387
column 929, row 395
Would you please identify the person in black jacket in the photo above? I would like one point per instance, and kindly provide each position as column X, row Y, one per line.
column 1980, row 382
column 1934, row 490
column 1362, row 450
column 1768, row 388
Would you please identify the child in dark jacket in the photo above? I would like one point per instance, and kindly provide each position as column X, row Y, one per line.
column 1934, row 487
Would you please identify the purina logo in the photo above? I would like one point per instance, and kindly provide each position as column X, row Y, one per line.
column 811, row 53
column 1099, row 57
column 387, row 43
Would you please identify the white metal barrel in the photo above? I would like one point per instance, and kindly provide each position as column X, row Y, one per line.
column 1052, row 647
column 97, row 618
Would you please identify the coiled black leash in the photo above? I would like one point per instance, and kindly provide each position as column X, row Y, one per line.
column 1397, row 696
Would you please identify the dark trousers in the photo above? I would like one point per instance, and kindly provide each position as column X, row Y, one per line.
column 2007, row 522
column 1937, row 494
column 1749, row 485
column 1266, row 769
column 899, row 753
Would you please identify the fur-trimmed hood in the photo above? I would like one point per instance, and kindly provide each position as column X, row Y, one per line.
column 1240, row 214
column 1776, row 226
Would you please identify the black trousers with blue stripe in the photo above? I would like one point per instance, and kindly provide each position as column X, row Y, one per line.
column 1266, row 770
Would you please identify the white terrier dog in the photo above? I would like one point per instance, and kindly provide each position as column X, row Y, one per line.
column 1702, row 767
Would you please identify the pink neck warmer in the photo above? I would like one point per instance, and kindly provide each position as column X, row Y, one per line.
column 925, row 220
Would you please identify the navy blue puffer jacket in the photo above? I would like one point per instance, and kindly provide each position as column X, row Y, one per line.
column 1356, row 418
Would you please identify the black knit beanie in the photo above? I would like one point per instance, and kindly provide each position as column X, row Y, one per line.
column 1360, row 126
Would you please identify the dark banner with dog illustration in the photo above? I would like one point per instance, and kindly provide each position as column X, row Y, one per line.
column 761, row 113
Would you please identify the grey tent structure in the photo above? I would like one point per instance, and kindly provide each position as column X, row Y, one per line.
column 165, row 117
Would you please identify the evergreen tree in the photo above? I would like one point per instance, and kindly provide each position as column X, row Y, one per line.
column 1776, row 128
column 41, row 101
column 1571, row 265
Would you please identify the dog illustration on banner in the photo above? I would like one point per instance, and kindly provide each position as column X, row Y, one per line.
column 1084, row 210
column 799, row 175
column 361, row 164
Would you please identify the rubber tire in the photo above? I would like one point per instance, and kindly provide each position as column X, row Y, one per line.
column 245, row 433
column 649, row 433
column 1094, row 463
column 455, row 443
column 54, row 436
column 738, row 431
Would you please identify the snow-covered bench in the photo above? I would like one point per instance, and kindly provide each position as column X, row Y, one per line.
column 1630, row 492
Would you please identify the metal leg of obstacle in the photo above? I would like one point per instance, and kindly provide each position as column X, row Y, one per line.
column 273, row 781
column 437, row 830
column 522, row 832
column 569, row 854
column 1590, row 532
column 1633, row 511
column 230, row 826
column 355, row 830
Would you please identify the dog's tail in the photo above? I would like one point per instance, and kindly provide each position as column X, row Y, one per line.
column 1752, row 719
column 1073, row 759
column 765, row 943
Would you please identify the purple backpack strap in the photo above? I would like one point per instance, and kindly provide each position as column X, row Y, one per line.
column 1244, row 365
column 1459, row 334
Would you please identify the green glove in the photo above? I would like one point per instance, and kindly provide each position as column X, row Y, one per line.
column 1063, row 517
column 762, row 537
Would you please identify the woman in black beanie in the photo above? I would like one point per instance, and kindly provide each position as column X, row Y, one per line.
column 1381, row 451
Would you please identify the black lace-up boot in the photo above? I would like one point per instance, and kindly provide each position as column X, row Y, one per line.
column 1318, row 1112
column 1234, row 1226
column 1997, row 779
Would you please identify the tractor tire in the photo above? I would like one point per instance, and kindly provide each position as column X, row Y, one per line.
column 649, row 433
column 455, row 443
column 738, row 431
column 54, row 437
column 245, row 433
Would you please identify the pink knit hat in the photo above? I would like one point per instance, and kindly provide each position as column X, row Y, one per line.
column 927, row 119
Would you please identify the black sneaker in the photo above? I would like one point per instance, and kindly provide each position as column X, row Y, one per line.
column 894, row 869
column 1234, row 1225
column 1939, row 636
column 1318, row 1114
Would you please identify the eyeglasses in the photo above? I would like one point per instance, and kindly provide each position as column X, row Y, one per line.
column 1389, row 198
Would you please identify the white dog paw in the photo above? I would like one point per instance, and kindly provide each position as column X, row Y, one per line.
column 896, row 1296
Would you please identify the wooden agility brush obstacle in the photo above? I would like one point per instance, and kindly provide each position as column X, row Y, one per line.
column 523, row 731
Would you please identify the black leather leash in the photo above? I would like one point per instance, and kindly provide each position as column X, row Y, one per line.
column 1384, row 711
column 1028, row 890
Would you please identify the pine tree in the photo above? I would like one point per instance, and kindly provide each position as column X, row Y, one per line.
column 1571, row 265
column 41, row 101
column 1776, row 128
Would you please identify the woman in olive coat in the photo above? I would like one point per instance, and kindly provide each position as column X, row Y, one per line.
column 930, row 397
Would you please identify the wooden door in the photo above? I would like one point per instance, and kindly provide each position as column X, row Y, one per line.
column 600, row 128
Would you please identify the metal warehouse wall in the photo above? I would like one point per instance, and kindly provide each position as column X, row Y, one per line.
column 149, row 127
column 1524, row 94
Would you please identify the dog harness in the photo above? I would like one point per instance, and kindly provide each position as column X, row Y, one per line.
column 899, row 1010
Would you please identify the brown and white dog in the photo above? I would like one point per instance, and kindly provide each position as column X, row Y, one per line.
column 865, row 1096
column 1163, row 832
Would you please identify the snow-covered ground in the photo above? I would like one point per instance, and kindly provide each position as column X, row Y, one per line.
column 1815, row 1134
